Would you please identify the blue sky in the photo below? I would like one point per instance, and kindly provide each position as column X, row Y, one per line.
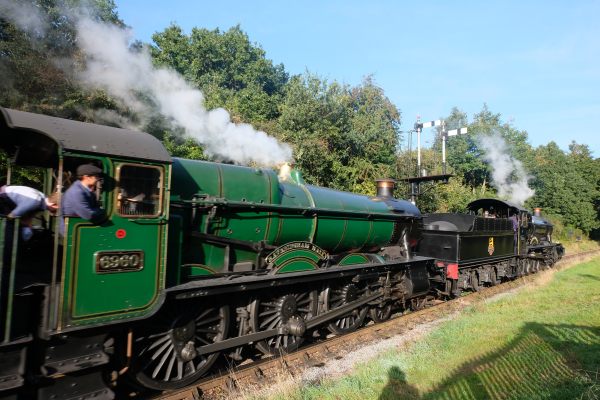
column 537, row 63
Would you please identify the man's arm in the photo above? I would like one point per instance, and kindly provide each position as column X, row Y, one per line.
column 24, row 206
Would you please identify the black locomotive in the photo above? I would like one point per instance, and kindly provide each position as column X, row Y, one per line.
column 495, row 240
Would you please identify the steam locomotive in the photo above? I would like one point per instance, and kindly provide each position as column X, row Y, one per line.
column 200, row 261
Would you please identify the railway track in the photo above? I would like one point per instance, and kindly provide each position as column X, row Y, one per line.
column 261, row 373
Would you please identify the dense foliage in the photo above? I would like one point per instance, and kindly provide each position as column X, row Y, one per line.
column 343, row 136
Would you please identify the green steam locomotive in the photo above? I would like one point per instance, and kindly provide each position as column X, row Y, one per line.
column 195, row 262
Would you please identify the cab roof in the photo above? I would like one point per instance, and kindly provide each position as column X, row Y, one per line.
column 36, row 139
column 496, row 203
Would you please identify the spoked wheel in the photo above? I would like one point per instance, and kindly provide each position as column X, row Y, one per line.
column 290, row 311
column 493, row 277
column 555, row 257
column 338, row 296
column 535, row 266
column 418, row 303
column 475, row 281
column 522, row 268
column 166, row 355
column 381, row 313
column 528, row 266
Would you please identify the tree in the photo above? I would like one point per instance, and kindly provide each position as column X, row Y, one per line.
column 464, row 155
column 35, row 62
column 343, row 137
column 567, row 185
column 231, row 71
column 313, row 115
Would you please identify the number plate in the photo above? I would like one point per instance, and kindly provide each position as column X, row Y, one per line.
column 119, row 261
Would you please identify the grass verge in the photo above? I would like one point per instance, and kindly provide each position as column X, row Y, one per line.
column 542, row 342
column 578, row 246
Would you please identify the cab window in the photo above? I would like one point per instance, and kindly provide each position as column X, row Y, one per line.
column 138, row 191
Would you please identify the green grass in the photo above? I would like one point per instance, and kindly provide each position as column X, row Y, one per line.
column 585, row 244
column 540, row 343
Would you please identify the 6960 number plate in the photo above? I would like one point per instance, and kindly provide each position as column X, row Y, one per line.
column 119, row 261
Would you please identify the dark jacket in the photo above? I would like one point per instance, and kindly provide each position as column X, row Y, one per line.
column 79, row 201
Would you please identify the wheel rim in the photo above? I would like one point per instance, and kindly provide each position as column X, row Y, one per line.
column 292, row 310
column 522, row 270
column 528, row 267
column 335, row 297
column 167, row 356
column 380, row 314
column 493, row 277
column 475, row 281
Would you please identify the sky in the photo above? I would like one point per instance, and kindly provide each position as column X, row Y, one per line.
column 537, row 63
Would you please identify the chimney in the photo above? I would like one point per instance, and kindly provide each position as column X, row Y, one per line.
column 385, row 188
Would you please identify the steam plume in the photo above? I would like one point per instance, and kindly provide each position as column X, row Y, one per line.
column 124, row 73
column 508, row 174
column 24, row 15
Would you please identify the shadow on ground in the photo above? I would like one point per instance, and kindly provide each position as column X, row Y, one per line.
column 588, row 276
column 544, row 361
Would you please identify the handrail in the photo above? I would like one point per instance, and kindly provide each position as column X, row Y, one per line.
column 11, row 279
column 6, row 304
column 52, row 320
column 310, row 211
column 2, row 241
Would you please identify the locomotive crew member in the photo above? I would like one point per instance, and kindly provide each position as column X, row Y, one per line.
column 80, row 200
column 515, row 225
column 23, row 202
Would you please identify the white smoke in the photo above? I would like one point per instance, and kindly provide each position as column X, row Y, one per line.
column 508, row 174
column 25, row 16
column 124, row 73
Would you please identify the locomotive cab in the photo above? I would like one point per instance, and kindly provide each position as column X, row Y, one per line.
column 87, row 273
column 508, row 214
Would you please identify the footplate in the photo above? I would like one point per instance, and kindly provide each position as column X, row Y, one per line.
column 75, row 354
column 12, row 368
column 89, row 386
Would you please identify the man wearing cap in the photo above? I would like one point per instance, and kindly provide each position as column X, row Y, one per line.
column 79, row 200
